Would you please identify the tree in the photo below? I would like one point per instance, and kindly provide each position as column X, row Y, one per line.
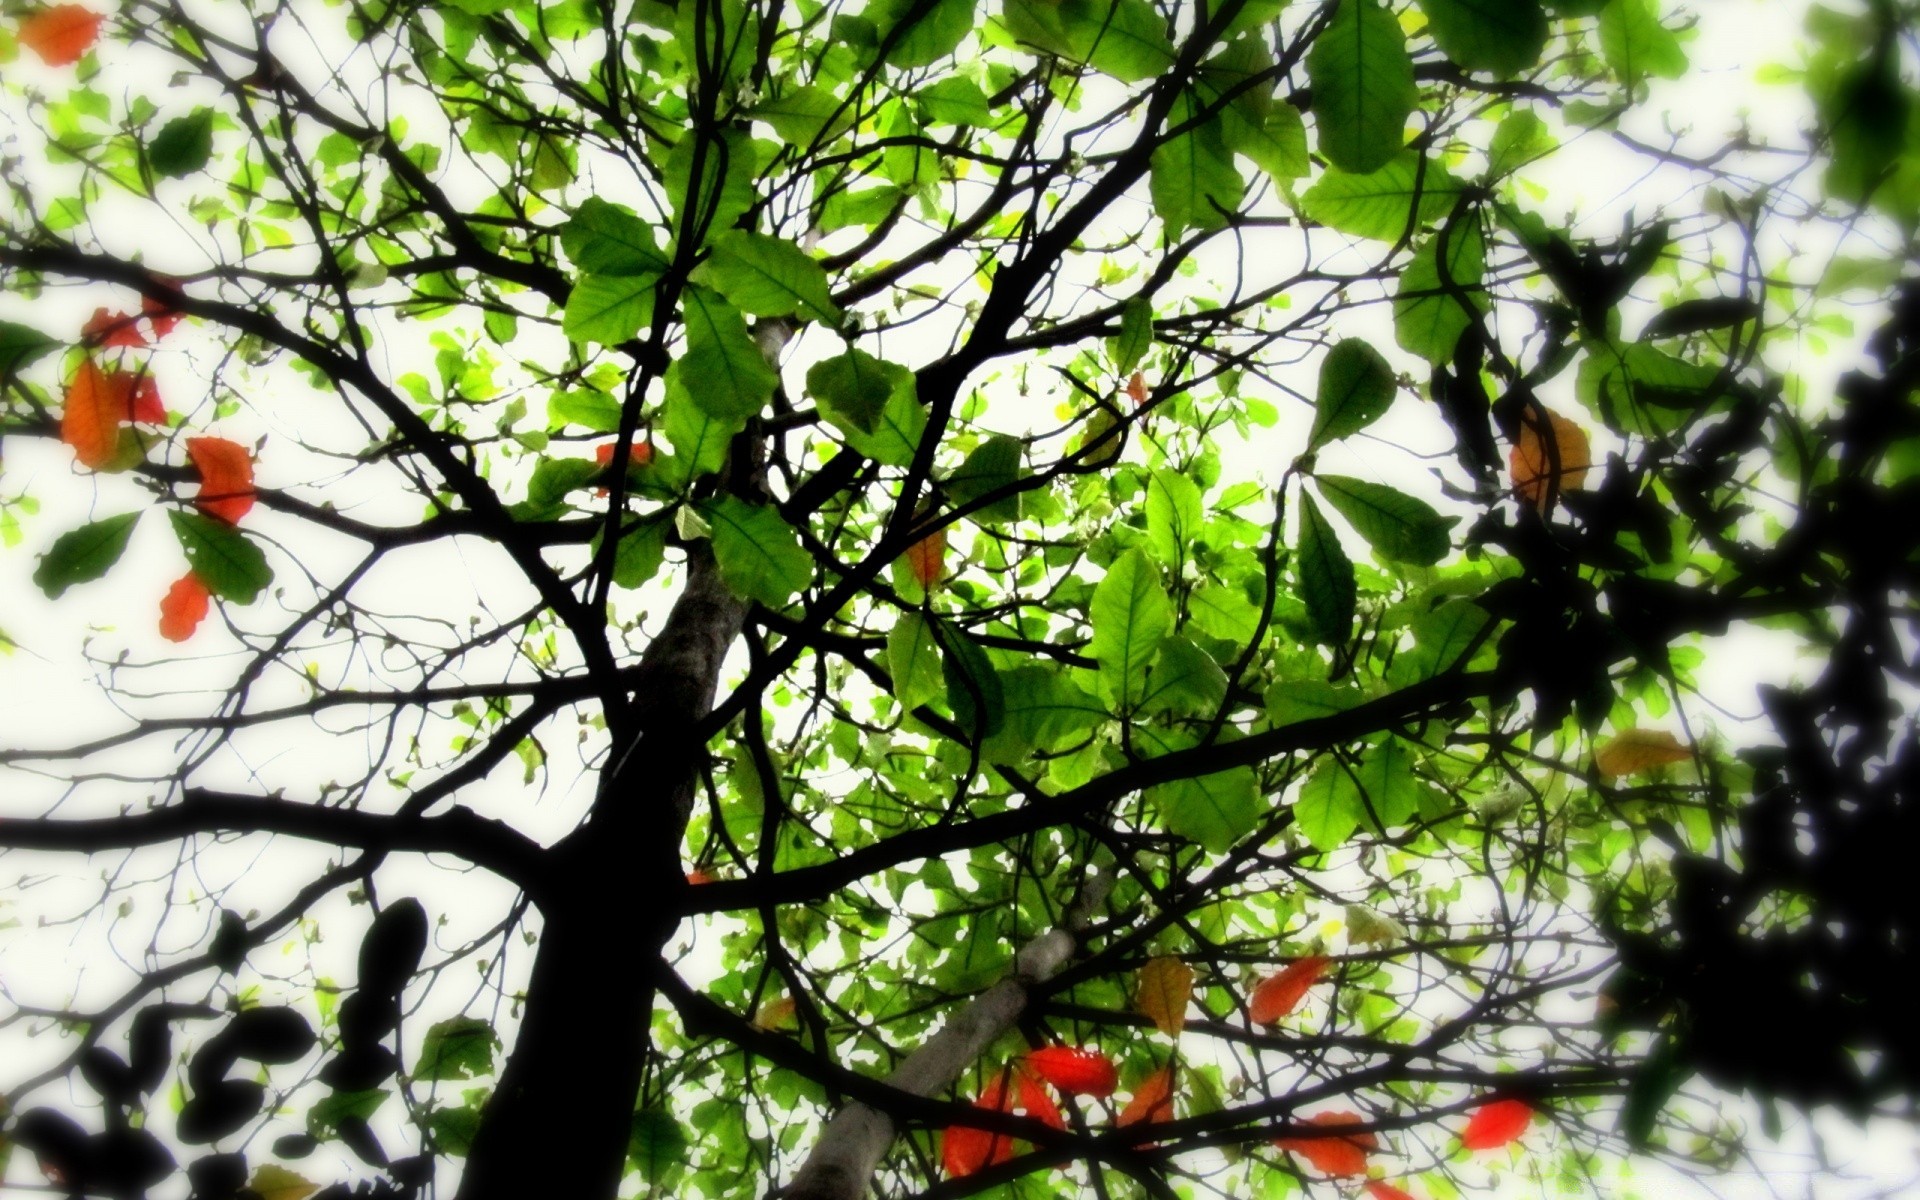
column 834, row 594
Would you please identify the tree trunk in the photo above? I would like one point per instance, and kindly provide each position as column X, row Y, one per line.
column 850, row 1147
column 558, row 1124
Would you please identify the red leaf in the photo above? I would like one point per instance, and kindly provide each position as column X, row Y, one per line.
column 965, row 1149
column 639, row 454
column 1343, row 1155
column 226, row 477
column 183, row 608
column 928, row 556
column 163, row 315
column 1381, row 1190
column 1152, row 1101
column 1496, row 1123
column 145, row 407
column 60, row 33
column 1075, row 1070
column 1037, row 1103
column 1137, row 388
column 1280, row 994
column 105, row 328
column 96, row 406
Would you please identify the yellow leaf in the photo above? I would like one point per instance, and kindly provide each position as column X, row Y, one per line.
column 1161, row 993
column 273, row 1182
column 774, row 1014
column 1636, row 750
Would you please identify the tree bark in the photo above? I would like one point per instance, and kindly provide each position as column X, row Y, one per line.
column 850, row 1147
column 559, row 1121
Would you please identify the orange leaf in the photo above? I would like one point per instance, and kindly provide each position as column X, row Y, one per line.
column 111, row 329
column 638, row 453
column 927, row 557
column 1137, row 388
column 1162, row 991
column 96, row 406
column 699, row 875
column 1280, row 994
column 60, row 33
column 183, row 608
column 1037, row 1103
column 1075, row 1070
column 1496, row 1123
column 226, row 477
column 1381, row 1190
column 1529, row 463
column 1152, row 1100
column 1634, row 750
column 1343, row 1155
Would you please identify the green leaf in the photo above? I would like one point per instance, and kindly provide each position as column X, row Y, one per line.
column 231, row 566
column 854, row 387
column 973, row 687
column 1386, row 785
column 1636, row 45
column 1223, row 612
column 608, row 309
column 323, row 1119
column 1430, row 314
column 1363, row 89
column 1328, row 809
column 1193, row 182
column 21, row 345
column 552, row 480
column 1136, row 335
column 1277, row 144
column 1382, row 204
column 456, row 1048
column 760, row 555
column 1659, row 1077
column 608, row 239
column 641, row 551
column 1174, row 515
column 1325, row 575
column 723, row 369
column 1129, row 38
column 913, row 659
column 1291, row 700
column 769, row 277
column 993, row 465
column 183, row 144
column 1214, row 810
column 1044, row 709
column 1439, row 639
column 1130, row 614
column 589, row 410
column 1399, row 527
column 84, row 554
column 954, row 100
column 1185, row 680
column 902, row 424
column 453, row 1130
column 656, row 1144
column 1356, row 387
column 805, row 116
column 698, row 437
column 1520, row 138
column 932, row 36
column 1500, row 37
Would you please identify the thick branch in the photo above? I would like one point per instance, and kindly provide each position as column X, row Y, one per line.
column 851, row 1146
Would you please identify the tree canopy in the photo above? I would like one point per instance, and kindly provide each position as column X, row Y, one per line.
column 1117, row 597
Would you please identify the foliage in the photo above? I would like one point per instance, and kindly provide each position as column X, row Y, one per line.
column 1113, row 587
